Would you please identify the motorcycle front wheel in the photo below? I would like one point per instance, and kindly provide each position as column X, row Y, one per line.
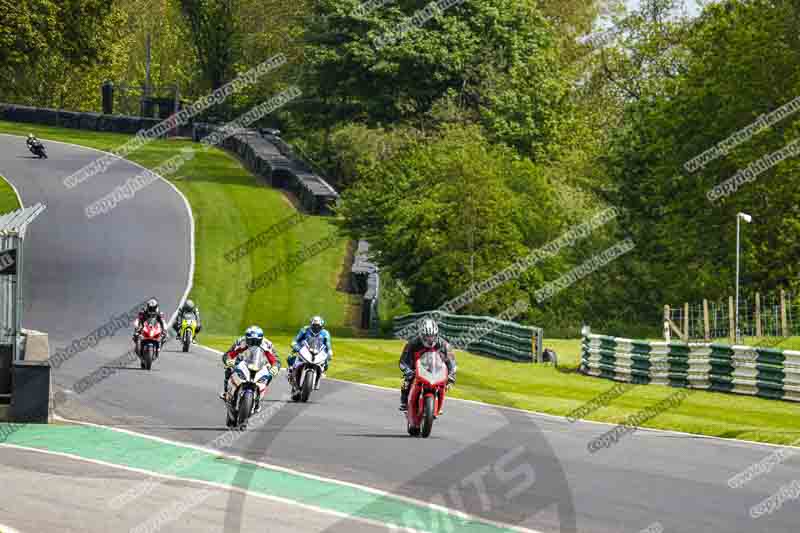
column 245, row 408
column 427, row 417
column 147, row 357
column 308, row 385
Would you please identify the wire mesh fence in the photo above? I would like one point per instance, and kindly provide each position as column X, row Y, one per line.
column 137, row 100
column 770, row 315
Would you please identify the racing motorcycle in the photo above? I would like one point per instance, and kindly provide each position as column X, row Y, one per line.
column 427, row 393
column 37, row 149
column 306, row 373
column 187, row 331
column 148, row 342
column 247, row 383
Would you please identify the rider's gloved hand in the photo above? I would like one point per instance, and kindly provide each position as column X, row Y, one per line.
column 229, row 362
column 274, row 370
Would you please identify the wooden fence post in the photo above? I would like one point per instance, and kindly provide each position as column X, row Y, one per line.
column 784, row 325
column 758, row 315
column 666, row 322
column 731, row 327
column 685, row 322
column 706, row 326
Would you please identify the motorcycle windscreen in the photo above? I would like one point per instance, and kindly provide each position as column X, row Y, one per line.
column 255, row 358
column 431, row 368
column 315, row 344
column 306, row 354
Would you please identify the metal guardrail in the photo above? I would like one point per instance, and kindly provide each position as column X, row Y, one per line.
column 13, row 227
column 487, row 335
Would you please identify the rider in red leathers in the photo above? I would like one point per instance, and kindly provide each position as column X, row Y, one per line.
column 150, row 310
column 253, row 336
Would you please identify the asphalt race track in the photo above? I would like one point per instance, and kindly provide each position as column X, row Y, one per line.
column 524, row 470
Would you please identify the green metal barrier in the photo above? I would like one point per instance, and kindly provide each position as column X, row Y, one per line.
column 479, row 334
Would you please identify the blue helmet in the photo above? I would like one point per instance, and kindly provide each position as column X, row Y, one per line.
column 253, row 336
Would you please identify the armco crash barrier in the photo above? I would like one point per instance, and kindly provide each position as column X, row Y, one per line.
column 764, row 372
column 504, row 340
column 74, row 119
column 270, row 158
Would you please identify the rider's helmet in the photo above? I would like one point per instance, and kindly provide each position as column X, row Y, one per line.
column 429, row 332
column 151, row 309
column 317, row 324
column 31, row 137
column 253, row 336
column 188, row 306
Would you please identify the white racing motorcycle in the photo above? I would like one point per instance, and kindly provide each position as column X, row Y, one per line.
column 248, row 380
column 306, row 373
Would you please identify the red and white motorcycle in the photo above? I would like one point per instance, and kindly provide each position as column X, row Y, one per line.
column 148, row 342
column 427, row 393
column 247, row 385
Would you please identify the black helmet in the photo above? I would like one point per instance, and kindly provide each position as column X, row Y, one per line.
column 188, row 306
column 151, row 308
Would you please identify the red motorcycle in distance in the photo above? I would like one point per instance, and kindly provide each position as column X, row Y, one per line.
column 148, row 342
column 427, row 393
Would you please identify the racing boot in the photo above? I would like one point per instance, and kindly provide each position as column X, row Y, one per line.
column 404, row 399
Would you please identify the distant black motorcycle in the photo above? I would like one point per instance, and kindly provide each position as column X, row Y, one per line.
column 37, row 149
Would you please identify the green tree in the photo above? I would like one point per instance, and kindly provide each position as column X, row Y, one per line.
column 496, row 58
column 214, row 36
column 444, row 213
column 54, row 53
column 737, row 62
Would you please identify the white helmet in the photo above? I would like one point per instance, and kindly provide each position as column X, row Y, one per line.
column 316, row 325
column 429, row 332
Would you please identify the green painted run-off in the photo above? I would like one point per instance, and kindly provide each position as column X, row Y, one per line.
column 133, row 451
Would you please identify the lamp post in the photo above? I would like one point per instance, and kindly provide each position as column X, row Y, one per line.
column 747, row 218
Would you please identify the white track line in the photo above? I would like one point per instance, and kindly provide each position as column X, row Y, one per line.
column 183, row 197
column 213, row 484
column 560, row 417
column 365, row 488
column 481, row 404
column 21, row 205
column 7, row 529
column 264, row 465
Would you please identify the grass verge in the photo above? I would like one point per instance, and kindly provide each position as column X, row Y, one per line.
column 560, row 391
column 8, row 198
column 229, row 207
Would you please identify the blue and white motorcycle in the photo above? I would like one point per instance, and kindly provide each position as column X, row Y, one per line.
column 306, row 373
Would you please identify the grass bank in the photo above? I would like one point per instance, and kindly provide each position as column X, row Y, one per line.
column 560, row 391
column 8, row 198
column 229, row 207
